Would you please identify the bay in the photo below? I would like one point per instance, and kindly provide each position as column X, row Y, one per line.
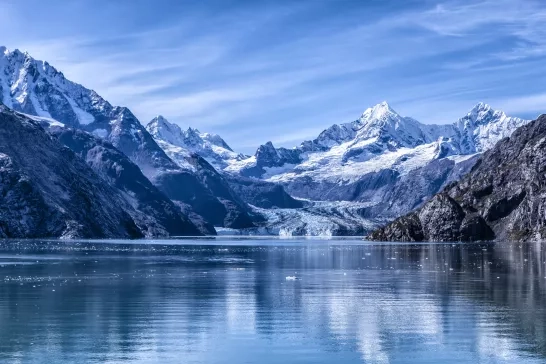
column 244, row 300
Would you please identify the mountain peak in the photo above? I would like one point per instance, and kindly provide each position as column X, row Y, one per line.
column 482, row 113
column 161, row 127
column 379, row 111
column 16, row 52
column 193, row 131
column 159, row 122
column 383, row 104
column 480, row 107
column 159, row 119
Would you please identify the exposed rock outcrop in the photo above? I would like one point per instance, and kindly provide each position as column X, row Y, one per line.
column 153, row 212
column 503, row 197
column 48, row 191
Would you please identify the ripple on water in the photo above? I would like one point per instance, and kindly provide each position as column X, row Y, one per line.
column 237, row 302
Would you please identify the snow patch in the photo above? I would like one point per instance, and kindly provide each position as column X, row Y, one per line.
column 84, row 118
column 101, row 133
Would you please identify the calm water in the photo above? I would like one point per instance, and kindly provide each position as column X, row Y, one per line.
column 230, row 301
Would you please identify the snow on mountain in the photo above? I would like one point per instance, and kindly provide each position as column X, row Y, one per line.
column 482, row 128
column 389, row 162
column 386, row 161
column 379, row 139
column 34, row 87
column 174, row 141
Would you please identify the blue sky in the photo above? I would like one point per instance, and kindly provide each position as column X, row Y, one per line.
column 284, row 70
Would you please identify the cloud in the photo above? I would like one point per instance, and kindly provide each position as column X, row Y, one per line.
column 285, row 71
column 534, row 103
column 523, row 20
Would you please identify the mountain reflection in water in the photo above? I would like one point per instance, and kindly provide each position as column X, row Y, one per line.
column 231, row 302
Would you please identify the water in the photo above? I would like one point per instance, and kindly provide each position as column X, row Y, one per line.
column 271, row 301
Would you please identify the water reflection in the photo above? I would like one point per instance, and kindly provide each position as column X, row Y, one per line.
column 92, row 302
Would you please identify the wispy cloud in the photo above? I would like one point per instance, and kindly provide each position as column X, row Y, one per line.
column 522, row 20
column 284, row 70
column 528, row 104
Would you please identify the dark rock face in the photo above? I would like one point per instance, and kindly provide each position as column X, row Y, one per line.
column 268, row 156
column 153, row 212
column 263, row 194
column 502, row 197
column 203, row 190
column 207, row 193
column 194, row 189
column 47, row 191
column 441, row 219
column 406, row 228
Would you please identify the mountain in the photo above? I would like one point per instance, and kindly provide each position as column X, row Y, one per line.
column 191, row 141
column 501, row 198
column 153, row 212
column 47, row 191
column 390, row 163
column 36, row 88
column 379, row 138
column 181, row 144
column 384, row 164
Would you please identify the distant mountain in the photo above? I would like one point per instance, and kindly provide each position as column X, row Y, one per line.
column 36, row 88
column 389, row 162
column 501, row 198
column 191, row 141
column 379, row 138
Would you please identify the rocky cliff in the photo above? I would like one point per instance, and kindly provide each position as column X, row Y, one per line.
column 153, row 212
column 503, row 197
column 48, row 191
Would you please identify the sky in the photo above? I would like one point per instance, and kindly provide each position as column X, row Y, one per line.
column 254, row 71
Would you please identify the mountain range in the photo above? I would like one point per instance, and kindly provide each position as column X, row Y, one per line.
column 384, row 163
column 351, row 178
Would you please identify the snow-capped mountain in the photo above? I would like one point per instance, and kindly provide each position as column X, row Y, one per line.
column 379, row 139
column 379, row 166
column 36, row 88
column 177, row 142
column 389, row 162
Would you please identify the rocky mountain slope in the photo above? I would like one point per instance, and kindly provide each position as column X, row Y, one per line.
column 47, row 191
column 154, row 213
column 36, row 88
column 503, row 197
